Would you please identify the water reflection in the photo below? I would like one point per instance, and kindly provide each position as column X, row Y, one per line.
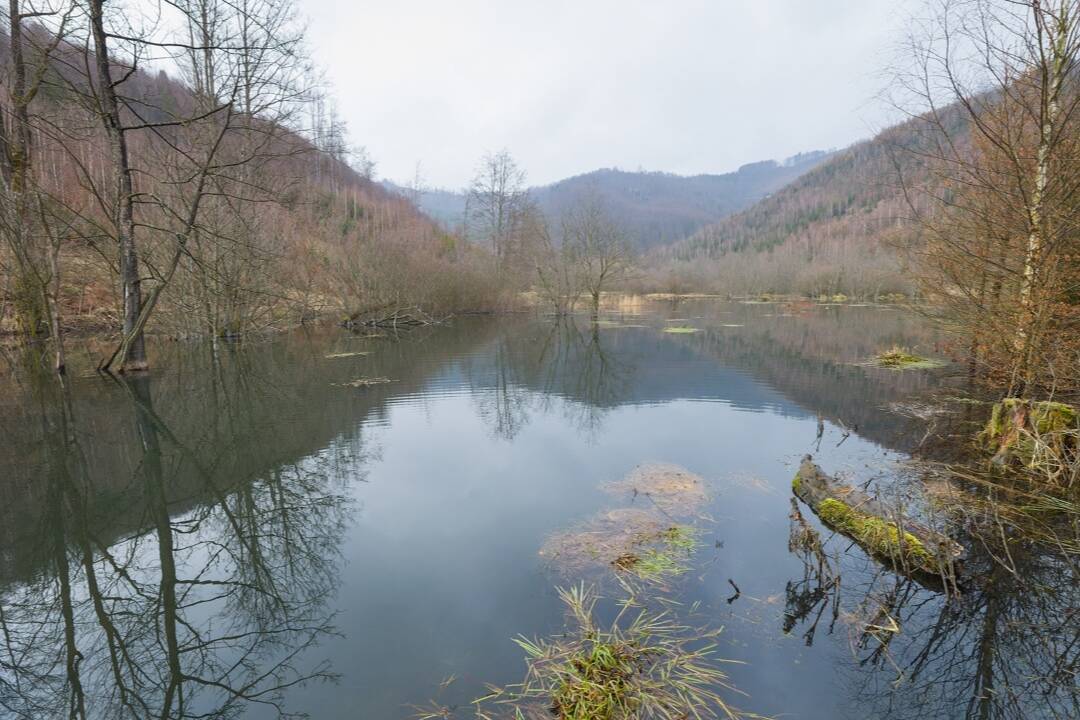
column 562, row 359
column 1007, row 648
column 217, row 539
column 197, row 609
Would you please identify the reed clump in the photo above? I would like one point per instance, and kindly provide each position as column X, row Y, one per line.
column 644, row 665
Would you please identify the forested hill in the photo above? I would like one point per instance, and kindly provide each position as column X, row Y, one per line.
column 655, row 208
column 853, row 196
column 283, row 229
column 824, row 232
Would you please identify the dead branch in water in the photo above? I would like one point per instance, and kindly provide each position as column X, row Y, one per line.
column 392, row 318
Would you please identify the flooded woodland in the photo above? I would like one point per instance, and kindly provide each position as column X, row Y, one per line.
column 439, row 523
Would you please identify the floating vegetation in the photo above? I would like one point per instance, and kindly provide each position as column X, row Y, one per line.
column 335, row 356
column 898, row 358
column 627, row 540
column 667, row 558
column 682, row 330
column 674, row 490
column 643, row 665
column 749, row 482
column 367, row 382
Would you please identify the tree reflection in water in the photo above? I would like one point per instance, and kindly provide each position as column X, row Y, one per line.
column 202, row 609
column 566, row 360
column 1007, row 648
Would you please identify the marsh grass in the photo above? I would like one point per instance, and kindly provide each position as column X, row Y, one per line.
column 901, row 358
column 668, row 556
column 643, row 665
column 1019, row 503
column 673, row 490
column 631, row 542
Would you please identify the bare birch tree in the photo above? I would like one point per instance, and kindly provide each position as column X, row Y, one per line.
column 995, row 85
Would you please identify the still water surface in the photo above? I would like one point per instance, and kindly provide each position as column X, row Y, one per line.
column 242, row 533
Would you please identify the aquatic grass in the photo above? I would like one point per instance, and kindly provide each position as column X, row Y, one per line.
column 652, row 565
column 669, row 556
column 900, row 358
column 673, row 489
column 643, row 665
column 631, row 542
column 681, row 537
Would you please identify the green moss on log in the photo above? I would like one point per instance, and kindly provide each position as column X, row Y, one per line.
column 878, row 536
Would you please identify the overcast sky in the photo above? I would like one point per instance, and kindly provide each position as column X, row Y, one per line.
column 685, row 86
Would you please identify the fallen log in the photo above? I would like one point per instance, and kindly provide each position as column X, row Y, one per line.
column 912, row 548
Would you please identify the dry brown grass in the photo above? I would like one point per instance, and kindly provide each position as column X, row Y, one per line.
column 672, row 489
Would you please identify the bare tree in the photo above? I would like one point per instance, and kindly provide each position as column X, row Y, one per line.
column 597, row 246
column 497, row 203
column 995, row 84
column 34, row 251
column 558, row 276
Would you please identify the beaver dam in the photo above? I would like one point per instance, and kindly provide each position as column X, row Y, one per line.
column 518, row 517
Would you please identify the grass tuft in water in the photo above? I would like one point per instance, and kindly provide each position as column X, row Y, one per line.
column 668, row 555
column 900, row 358
column 643, row 665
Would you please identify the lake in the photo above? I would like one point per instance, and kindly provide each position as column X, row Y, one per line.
column 248, row 531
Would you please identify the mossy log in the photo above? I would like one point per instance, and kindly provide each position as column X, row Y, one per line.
column 911, row 547
column 1025, row 430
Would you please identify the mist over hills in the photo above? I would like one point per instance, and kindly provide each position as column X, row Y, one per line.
column 656, row 208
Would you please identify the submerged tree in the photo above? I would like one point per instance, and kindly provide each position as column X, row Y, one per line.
column 597, row 247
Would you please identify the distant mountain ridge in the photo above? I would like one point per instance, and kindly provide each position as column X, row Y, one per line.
column 834, row 229
column 655, row 208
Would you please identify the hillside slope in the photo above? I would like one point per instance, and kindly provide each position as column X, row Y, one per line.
column 825, row 232
column 290, row 231
column 656, row 208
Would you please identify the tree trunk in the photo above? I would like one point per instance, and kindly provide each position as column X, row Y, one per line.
column 134, row 355
column 29, row 290
column 1025, row 346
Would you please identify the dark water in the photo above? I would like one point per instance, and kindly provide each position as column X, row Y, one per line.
column 242, row 534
